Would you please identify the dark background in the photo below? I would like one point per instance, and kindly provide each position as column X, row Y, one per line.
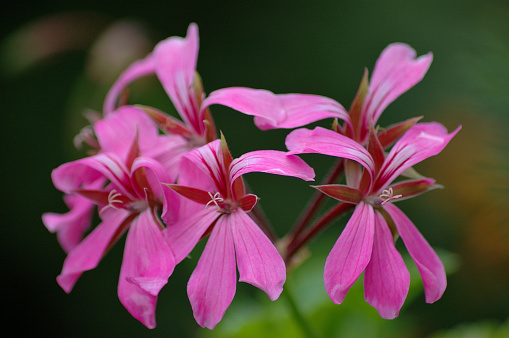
column 317, row 47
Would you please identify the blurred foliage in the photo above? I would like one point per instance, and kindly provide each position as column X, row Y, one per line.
column 58, row 59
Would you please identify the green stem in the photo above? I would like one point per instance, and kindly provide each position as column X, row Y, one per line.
column 299, row 318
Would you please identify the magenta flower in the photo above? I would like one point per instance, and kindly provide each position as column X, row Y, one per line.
column 126, row 186
column 174, row 62
column 396, row 70
column 367, row 243
column 234, row 236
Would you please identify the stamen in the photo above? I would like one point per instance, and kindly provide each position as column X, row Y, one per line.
column 214, row 199
column 112, row 198
column 387, row 195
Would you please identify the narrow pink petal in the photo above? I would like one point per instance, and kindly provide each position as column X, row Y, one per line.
column 212, row 285
column 386, row 278
column 341, row 192
column 271, row 162
column 430, row 267
column 70, row 226
column 148, row 263
column 183, row 235
column 134, row 71
column 118, row 130
column 258, row 260
column 351, row 253
column 328, row 142
column 168, row 151
column 175, row 64
column 421, row 141
column 277, row 111
column 396, row 70
column 89, row 252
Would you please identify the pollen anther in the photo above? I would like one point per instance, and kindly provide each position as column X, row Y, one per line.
column 112, row 198
column 387, row 195
column 214, row 199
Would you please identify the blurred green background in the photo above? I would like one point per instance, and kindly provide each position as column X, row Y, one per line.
column 59, row 58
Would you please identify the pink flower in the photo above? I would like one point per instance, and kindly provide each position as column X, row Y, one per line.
column 125, row 184
column 234, row 236
column 174, row 62
column 396, row 70
column 367, row 242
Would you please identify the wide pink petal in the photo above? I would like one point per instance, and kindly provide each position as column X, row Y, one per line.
column 421, row 141
column 70, row 226
column 351, row 253
column 134, row 71
column 168, row 151
column 175, row 64
column 208, row 159
column 147, row 264
column 183, row 235
column 277, row 111
column 89, row 252
column 258, row 260
column 271, row 162
column 328, row 142
column 430, row 267
column 386, row 278
column 117, row 131
column 212, row 285
column 89, row 170
column 396, row 70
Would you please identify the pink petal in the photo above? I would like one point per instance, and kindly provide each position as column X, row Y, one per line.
column 421, row 141
column 328, row 142
column 396, row 71
column 430, row 267
column 259, row 262
column 134, row 71
column 183, row 235
column 168, row 151
column 351, row 253
column 74, row 175
column 148, row 263
column 386, row 278
column 70, row 226
column 277, row 111
column 175, row 63
column 212, row 285
column 207, row 160
column 89, row 252
column 271, row 162
column 156, row 176
column 118, row 130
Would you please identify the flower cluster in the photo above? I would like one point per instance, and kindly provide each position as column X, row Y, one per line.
column 169, row 183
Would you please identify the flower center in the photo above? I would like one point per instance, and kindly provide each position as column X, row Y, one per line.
column 223, row 206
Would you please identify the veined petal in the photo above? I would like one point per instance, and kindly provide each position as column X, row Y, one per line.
column 70, row 226
column 421, row 141
column 89, row 252
column 117, row 131
column 147, row 264
column 277, row 111
column 134, row 71
column 175, row 63
column 183, row 235
column 386, row 278
column 271, row 162
column 212, row 285
column 209, row 160
column 396, row 71
column 351, row 253
column 328, row 142
column 259, row 262
column 73, row 175
column 430, row 267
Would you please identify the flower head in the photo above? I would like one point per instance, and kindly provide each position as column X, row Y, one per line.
column 367, row 243
column 235, row 239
